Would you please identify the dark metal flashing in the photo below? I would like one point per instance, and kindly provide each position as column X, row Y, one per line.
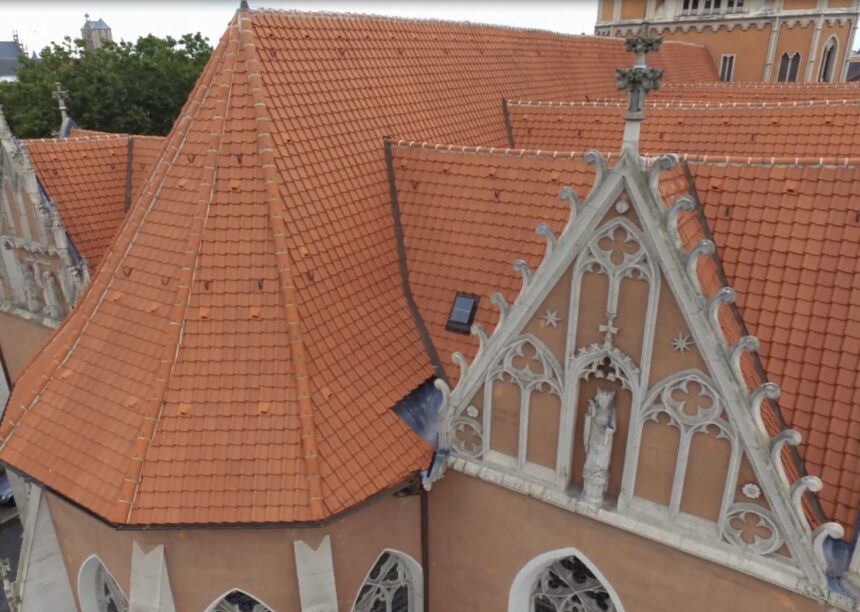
column 129, row 171
column 506, row 116
column 420, row 326
column 796, row 459
column 409, row 483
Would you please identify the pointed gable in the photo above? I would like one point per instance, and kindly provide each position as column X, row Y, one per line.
column 695, row 441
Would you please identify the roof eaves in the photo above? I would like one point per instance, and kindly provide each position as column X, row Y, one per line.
column 289, row 293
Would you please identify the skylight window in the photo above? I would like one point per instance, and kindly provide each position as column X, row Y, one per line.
column 462, row 313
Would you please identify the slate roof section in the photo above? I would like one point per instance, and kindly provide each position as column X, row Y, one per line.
column 467, row 215
column 805, row 130
column 86, row 177
column 10, row 54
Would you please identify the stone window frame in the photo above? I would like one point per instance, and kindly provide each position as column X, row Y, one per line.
column 213, row 607
column 416, row 576
column 829, row 53
column 791, row 63
column 88, row 585
column 521, row 588
column 727, row 74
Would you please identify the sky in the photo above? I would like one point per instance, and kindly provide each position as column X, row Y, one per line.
column 38, row 22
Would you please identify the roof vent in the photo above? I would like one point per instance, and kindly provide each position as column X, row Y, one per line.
column 462, row 313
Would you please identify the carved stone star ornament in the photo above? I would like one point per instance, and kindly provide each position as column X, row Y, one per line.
column 681, row 343
column 551, row 318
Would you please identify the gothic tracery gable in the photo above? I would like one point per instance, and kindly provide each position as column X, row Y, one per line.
column 656, row 419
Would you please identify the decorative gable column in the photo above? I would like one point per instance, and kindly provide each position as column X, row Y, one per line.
column 637, row 81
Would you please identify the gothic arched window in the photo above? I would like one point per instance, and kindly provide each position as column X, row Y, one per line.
column 393, row 585
column 98, row 590
column 789, row 66
column 238, row 601
column 568, row 585
column 562, row 580
column 828, row 59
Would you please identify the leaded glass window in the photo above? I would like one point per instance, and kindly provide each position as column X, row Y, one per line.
column 237, row 601
column 567, row 585
column 388, row 587
column 109, row 597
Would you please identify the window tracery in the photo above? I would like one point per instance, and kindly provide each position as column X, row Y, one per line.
column 109, row 597
column 530, row 365
column 388, row 587
column 568, row 585
column 237, row 601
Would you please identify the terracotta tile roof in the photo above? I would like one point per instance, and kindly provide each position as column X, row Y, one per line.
column 756, row 92
column 77, row 132
column 747, row 130
column 743, row 92
column 788, row 241
column 86, row 178
column 266, row 333
column 467, row 215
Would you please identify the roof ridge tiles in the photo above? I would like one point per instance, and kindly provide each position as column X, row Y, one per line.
column 154, row 404
column 758, row 85
column 436, row 20
column 732, row 160
column 682, row 104
column 298, row 354
column 500, row 151
column 94, row 138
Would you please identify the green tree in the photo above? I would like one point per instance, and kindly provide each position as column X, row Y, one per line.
column 122, row 87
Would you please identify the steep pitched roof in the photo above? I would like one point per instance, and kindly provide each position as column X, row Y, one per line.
column 89, row 179
column 472, row 400
column 793, row 129
column 788, row 241
column 256, row 279
column 468, row 213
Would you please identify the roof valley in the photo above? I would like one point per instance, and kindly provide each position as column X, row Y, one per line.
column 155, row 403
column 289, row 294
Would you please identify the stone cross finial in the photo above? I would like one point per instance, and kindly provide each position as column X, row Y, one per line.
column 60, row 96
column 638, row 81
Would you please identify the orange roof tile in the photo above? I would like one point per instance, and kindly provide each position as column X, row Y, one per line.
column 788, row 240
column 86, row 178
column 255, row 282
column 742, row 92
column 77, row 132
column 747, row 130
column 468, row 214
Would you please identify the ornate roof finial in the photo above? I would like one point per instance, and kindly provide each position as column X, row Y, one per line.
column 86, row 16
column 638, row 81
column 60, row 96
column 243, row 5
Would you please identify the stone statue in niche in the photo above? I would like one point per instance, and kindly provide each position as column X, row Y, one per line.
column 599, row 429
column 53, row 306
column 32, row 292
